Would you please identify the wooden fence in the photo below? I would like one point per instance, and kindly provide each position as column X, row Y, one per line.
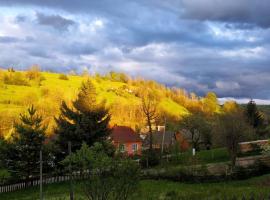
column 22, row 184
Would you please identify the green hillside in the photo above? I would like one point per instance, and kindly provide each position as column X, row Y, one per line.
column 122, row 96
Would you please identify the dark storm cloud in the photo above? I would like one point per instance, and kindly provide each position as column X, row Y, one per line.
column 55, row 21
column 78, row 48
column 238, row 11
column 20, row 18
column 8, row 39
column 242, row 11
column 200, row 45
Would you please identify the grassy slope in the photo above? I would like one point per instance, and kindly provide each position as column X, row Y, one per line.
column 150, row 189
column 14, row 99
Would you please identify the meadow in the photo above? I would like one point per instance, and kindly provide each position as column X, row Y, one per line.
column 50, row 89
column 161, row 189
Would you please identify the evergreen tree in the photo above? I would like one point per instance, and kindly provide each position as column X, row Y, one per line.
column 2, row 151
column 27, row 141
column 254, row 117
column 87, row 121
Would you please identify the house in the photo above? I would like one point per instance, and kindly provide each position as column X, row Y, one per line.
column 145, row 130
column 168, row 140
column 126, row 140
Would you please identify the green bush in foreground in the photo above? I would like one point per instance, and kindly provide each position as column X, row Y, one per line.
column 4, row 175
column 107, row 178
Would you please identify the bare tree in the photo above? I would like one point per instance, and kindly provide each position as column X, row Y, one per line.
column 149, row 108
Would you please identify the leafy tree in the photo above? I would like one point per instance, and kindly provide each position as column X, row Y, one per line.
column 230, row 106
column 233, row 129
column 27, row 141
column 254, row 117
column 198, row 130
column 210, row 103
column 87, row 121
column 110, row 178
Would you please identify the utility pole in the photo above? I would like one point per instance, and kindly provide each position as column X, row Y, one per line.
column 71, row 194
column 163, row 137
column 40, row 175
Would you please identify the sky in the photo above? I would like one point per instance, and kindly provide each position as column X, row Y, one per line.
column 199, row 45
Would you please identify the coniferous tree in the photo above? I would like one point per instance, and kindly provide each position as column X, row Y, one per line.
column 86, row 121
column 254, row 117
column 2, row 151
column 27, row 140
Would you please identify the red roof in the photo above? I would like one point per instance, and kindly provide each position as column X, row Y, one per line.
column 124, row 134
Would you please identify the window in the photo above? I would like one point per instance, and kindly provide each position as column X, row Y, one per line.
column 122, row 148
column 134, row 147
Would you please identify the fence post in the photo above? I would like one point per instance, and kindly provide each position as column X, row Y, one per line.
column 70, row 174
column 40, row 175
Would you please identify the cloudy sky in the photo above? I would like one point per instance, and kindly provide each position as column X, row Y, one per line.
column 199, row 45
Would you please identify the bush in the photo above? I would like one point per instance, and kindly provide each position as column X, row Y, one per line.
column 110, row 178
column 150, row 158
column 63, row 77
column 4, row 176
column 171, row 195
column 258, row 169
column 33, row 72
column 45, row 92
column 15, row 78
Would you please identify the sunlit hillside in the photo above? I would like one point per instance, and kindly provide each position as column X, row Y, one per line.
column 46, row 91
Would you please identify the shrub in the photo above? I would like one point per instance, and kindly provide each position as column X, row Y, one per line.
column 150, row 158
column 171, row 195
column 33, row 72
column 110, row 178
column 63, row 77
column 4, row 175
column 11, row 69
column 15, row 78
column 257, row 169
column 45, row 92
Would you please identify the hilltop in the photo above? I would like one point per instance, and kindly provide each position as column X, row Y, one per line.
column 46, row 90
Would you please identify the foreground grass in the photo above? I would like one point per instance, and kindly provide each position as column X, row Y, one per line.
column 150, row 189
column 218, row 155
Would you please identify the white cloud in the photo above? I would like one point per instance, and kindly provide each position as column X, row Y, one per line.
column 255, row 52
column 227, row 86
column 244, row 100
